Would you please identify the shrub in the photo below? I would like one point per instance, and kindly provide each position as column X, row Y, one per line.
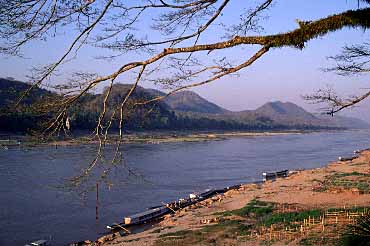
column 359, row 233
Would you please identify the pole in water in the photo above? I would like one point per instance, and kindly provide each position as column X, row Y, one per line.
column 97, row 202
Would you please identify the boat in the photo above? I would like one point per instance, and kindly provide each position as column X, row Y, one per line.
column 347, row 158
column 146, row 216
column 274, row 175
column 40, row 242
column 207, row 193
column 234, row 187
column 159, row 211
column 141, row 218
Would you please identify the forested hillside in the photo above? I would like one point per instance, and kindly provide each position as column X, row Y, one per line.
column 182, row 111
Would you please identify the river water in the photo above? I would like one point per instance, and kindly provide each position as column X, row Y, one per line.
column 31, row 207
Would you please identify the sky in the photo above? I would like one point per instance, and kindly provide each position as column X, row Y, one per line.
column 283, row 74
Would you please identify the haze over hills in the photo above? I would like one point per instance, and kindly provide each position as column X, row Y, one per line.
column 183, row 110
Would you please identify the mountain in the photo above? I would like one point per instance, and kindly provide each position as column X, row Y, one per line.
column 11, row 90
column 155, row 115
column 179, row 111
column 188, row 101
column 277, row 110
column 287, row 113
column 23, row 118
column 278, row 113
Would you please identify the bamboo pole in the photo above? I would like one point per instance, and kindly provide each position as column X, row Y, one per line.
column 126, row 230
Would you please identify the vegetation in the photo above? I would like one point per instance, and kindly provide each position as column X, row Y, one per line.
column 359, row 233
column 317, row 239
column 238, row 225
column 254, row 208
column 209, row 234
column 290, row 217
column 186, row 111
column 346, row 181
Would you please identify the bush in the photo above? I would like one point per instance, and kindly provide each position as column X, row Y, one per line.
column 359, row 233
column 253, row 208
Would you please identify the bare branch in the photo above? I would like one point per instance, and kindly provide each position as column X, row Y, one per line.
column 220, row 75
column 335, row 102
column 354, row 60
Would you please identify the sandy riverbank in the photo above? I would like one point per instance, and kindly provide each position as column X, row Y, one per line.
column 338, row 185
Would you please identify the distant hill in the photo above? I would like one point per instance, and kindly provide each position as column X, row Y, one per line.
column 287, row 113
column 150, row 116
column 188, row 101
column 183, row 110
column 278, row 113
column 277, row 110
column 344, row 121
column 11, row 90
column 23, row 118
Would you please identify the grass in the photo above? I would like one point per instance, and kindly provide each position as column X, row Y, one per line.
column 254, row 208
column 252, row 216
column 183, row 237
column 338, row 175
column 290, row 217
column 351, row 210
column 225, row 229
column 314, row 240
column 181, row 233
column 360, row 181
column 228, row 227
column 208, row 235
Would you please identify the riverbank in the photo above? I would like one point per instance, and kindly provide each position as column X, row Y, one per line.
column 138, row 137
column 242, row 216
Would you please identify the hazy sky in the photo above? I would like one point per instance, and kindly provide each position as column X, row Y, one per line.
column 282, row 74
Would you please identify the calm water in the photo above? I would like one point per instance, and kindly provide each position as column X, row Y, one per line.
column 30, row 208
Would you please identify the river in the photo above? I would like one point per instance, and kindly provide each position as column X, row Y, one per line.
column 31, row 207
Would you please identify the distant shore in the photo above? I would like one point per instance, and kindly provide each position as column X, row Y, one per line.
column 227, row 220
column 8, row 140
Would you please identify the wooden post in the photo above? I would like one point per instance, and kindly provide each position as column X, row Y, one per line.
column 271, row 232
column 323, row 224
column 97, row 202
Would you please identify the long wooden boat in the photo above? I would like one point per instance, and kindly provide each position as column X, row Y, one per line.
column 158, row 211
column 274, row 175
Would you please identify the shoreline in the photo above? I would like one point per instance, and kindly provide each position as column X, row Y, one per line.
column 302, row 189
column 148, row 137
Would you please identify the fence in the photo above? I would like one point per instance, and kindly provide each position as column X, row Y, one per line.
column 310, row 225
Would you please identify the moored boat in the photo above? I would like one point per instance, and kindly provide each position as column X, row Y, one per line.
column 274, row 175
